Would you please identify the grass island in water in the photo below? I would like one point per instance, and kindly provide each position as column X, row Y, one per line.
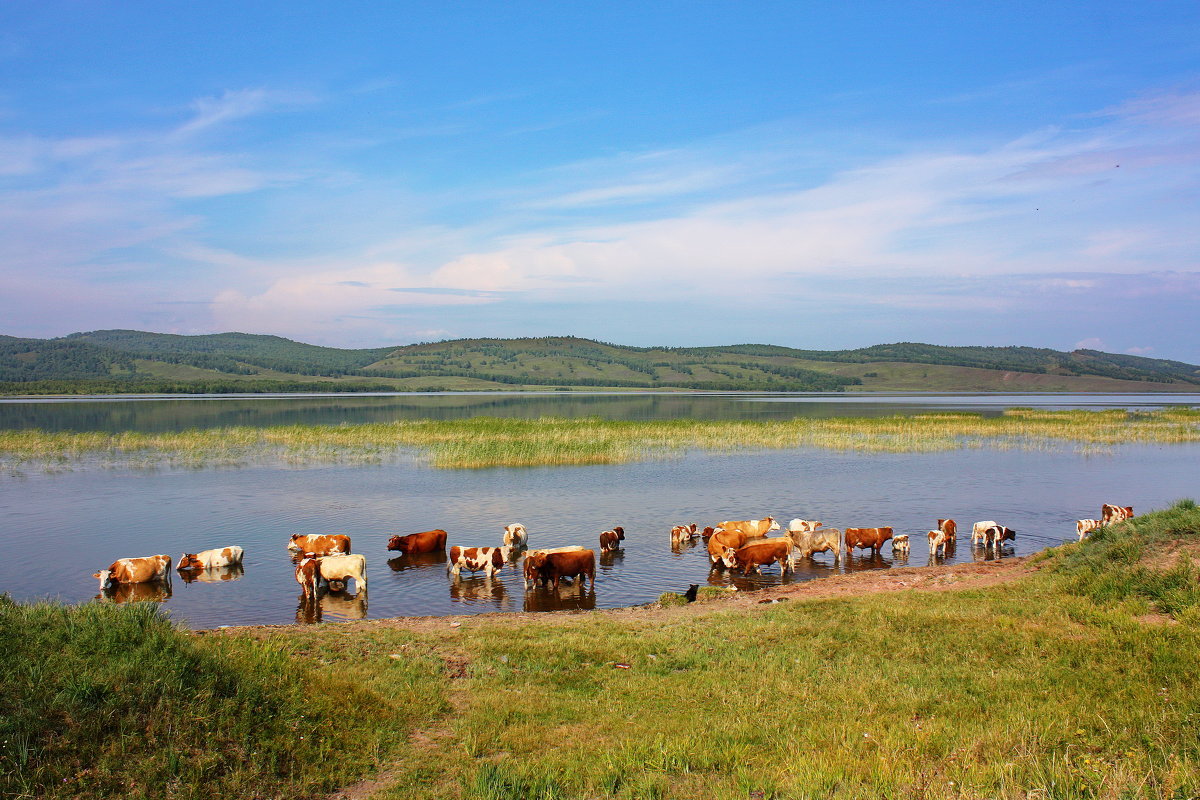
column 502, row 442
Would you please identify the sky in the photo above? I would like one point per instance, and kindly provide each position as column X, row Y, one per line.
column 815, row 175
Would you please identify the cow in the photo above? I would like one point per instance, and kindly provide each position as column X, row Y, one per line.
column 937, row 541
column 1085, row 526
column 867, row 537
column 996, row 535
column 1111, row 515
column 804, row 525
column 900, row 544
column 752, row 527
column 308, row 575
column 489, row 560
column 719, row 541
column 320, row 544
column 579, row 564
column 336, row 570
column 531, row 573
column 144, row 569
column 684, row 533
column 752, row 555
column 950, row 528
column 433, row 541
column 515, row 535
column 610, row 540
column 817, row 541
column 709, row 530
column 979, row 531
column 210, row 559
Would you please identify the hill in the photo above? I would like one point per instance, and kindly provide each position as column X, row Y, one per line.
column 123, row 361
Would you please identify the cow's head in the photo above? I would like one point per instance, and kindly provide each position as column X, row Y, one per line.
column 107, row 581
column 189, row 561
column 292, row 545
column 397, row 543
column 620, row 532
column 774, row 526
column 729, row 557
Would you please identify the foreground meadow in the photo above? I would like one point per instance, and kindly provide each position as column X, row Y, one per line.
column 491, row 442
column 1077, row 678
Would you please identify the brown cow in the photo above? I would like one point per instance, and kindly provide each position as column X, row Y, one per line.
column 867, row 537
column 320, row 544
column 610, row 540
column 752, row 527
column 476, row 559
column 722, row 539
column 144, row 569
column 709, row 531
column 683, row 533
column 950, row 528
column 424, row 542
column 580, row 564
column 752, row 555
column 531, row 573
column 1111, row 515
column 210, row 559
column 308, row 575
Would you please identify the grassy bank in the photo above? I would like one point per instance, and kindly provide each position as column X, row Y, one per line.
column 1081, row 680
column 489, row 442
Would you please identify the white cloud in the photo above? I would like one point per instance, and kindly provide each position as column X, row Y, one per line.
column 1093, row 343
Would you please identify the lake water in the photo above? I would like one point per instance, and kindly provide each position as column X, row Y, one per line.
column 60, row 527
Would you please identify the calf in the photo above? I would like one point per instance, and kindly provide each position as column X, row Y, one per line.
column 489, row 560
column 948, row 527
column 900, row 544
column 1085, row 526
column 683, row 533
column 1111, row 515
column 937, row 541
column 320, row 544
column 308, row 575
column 719, row 541
column 996, row 535
column 817, row 541
column 531, row 573
column 515, row 535
column 979, row 530
column 752, row 527
column 709, row 531
column 144, row 569
column 611, row 540
column 867, row 537
column 433, row 541
column 752, row 555
column 210, row 559
column 580, row 564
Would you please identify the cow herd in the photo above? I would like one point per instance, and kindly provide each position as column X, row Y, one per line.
column 324, row 561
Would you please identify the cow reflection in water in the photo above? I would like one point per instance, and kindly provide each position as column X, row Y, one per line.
column 947, row 552
column 566, row 598
column 480, row 590
column 417, row 561
column 339, row 605
column 683, row 546
column 137, row 592
column 611, row 558
column 214, row 575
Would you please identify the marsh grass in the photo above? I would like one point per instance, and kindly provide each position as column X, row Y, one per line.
column 482, row 442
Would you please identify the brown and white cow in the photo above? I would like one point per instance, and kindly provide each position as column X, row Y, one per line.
column 433, row 541
column 937, row 542
column 950, row 528
column 817, row 541
column 580, row 564
column 320, row 544
column 336, row 570
column 979, row 530
column 515, row 535
column 996, row 535
column 722, row 539
column 488, row 560
column 611, row 540
column 755, row 554
column 1111, row 515
column 143, row 569
column 1083, row 527
column 308, row 575
column 900, row 545
column 867, row 537
column 684, row 533
column 210, row 559
column 752, row 527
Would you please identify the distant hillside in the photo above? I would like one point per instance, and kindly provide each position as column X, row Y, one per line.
column 136, row 361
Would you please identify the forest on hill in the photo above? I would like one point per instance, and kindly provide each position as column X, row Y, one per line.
column 122, row 361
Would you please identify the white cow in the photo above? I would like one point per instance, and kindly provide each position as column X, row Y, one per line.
column 515, row 535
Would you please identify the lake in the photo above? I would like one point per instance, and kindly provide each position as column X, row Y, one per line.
column 61, row 526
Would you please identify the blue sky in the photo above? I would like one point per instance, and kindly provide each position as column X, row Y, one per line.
column 677, row 173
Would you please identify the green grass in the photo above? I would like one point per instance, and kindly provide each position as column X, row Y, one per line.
column 490, row 442
column 112, row 701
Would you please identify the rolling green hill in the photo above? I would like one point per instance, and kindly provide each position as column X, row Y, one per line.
column 135, row 361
